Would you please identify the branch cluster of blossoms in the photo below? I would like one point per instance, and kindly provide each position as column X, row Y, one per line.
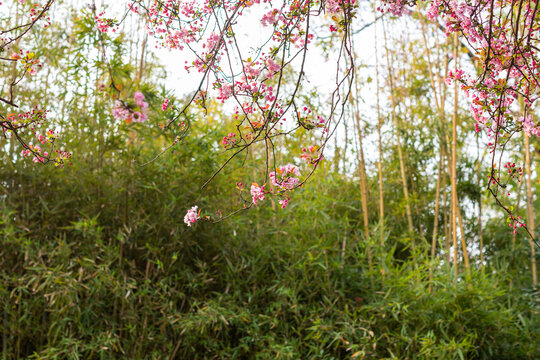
column 192, row 216
column 257, row 193
column 104, row 24
column 24, row 126
column 311, row 155
column 503, row 37
column 394, row 7
column 263, row 103
column 283, row 180
column 28, row 60
column 530, row 128
column 131, row 112
column 284, row 177
column 229, row 140
column 165, row 105
column 515, row 222
column 513, row 171
column 501, row 34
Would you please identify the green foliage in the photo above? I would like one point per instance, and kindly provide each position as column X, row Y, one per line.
column 147, row 288
column 96, row 262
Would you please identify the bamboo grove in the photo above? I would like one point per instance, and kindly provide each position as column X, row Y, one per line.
column 393, row 249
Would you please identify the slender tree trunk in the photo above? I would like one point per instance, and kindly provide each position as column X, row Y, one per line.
column 361, row 170
column 361, row 166
column 439, row 94
column 398, row 140
column 402, row 170
column 363, row 190
column 447, row 213
column 436, row 217
column 361, row 160
column 530, row 210
column 480, row 232
column 363, row 180
column 479, row 163
column 463, row 242
column 143, row 53
column 453, row 168
column 514, row 233
column 379, row 134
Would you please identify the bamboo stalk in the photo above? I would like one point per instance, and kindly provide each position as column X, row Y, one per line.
column 379, row 135
column 398, row 140
column 530, row 210
column 453, row 168
column 436, row 219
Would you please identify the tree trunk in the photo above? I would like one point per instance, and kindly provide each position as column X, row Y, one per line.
column 398, row 140
column 379, row 126
column 453, row 168
column 530, row 210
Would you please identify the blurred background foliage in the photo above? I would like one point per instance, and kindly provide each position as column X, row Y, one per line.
column 96, row 262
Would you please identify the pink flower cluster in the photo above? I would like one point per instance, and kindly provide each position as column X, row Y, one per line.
column 177, row 39
column 273, row 67
column 104, row 24
column 257, row 193
column 272, row 17
column 311, row 155
column 48, row 137
column 122, row 111
column 512, row 170
column 394, row 7
column 308, row 120
column 338, row 6
column 225, row 92
column 529, row 126
column 165, row 105
column 433, row 10
column 507, row 64
column 213, row 41
column 191, row 216
column 39, row 156
column 283, row 177
column 229, row 140
column 515, row 222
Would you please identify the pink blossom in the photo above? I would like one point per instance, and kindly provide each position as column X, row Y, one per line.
column 337, row 6
column 165, row 105
column 251, row 71
column 273, row 67
column 139, row 97
column 213, row 41
column 272, row 17
column 433, row 10
column 225, row 92
column 283, row 178
column 120, row 111
column 139, row 116
column 191, row 216
column 257, row 193
column 529, row 127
